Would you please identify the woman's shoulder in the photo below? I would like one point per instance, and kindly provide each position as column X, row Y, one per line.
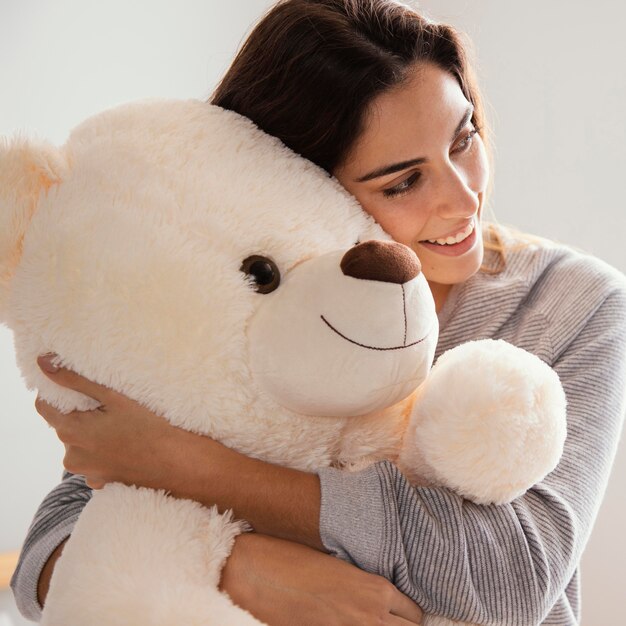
column 559, row 283
column 552, row 269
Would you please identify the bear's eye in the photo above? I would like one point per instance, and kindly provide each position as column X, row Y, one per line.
column 263, row 271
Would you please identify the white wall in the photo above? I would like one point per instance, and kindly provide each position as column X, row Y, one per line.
column 553, row 73
column 551, row 70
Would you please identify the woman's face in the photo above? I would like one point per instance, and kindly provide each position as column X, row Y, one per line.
column 420, row 169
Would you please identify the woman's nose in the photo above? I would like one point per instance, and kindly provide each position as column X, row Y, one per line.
column 456, row 198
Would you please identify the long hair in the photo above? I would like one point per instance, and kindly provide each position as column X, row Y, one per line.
column 309, row 69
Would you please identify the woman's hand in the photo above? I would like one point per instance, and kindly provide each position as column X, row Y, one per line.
column 120, row 441
column 283, row 583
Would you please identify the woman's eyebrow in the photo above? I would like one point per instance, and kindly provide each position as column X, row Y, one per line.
column 390, row 169
column 398, row 167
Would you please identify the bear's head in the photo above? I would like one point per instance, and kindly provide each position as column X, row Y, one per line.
column 174, row 252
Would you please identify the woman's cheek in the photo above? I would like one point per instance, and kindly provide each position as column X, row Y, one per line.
column 401, row 218
column 404, row 223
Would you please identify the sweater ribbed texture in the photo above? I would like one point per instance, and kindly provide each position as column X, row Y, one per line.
column 53, row 522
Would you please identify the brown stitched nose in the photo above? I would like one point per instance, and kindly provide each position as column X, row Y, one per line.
column 386, row 261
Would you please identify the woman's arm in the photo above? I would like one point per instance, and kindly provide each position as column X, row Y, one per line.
column 272, row 578
column 123, row 441
column 43, row 586
column 52, row 525
column 284, row 583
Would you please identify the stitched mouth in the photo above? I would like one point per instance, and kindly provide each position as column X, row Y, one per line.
column 362, row 345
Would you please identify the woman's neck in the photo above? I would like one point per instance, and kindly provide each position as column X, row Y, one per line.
column 440, row 293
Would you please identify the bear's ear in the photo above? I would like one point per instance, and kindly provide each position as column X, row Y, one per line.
column 28, row 169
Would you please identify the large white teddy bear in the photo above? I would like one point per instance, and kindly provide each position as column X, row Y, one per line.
column 172, row 251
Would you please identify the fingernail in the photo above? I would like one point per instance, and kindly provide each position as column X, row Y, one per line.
column 45, row 362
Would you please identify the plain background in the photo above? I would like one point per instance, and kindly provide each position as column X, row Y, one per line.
column 551, row 71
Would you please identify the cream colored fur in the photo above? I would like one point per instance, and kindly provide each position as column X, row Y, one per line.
column 121, row 252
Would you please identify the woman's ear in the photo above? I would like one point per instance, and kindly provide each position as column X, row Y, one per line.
column 28, row 169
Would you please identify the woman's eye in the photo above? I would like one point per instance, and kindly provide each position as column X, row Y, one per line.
column 467, row 142
column 402, row 187
column 263, row 273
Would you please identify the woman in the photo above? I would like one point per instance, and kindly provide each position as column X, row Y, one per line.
column 383, row 100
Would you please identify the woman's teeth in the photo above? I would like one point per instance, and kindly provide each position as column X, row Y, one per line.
column 448, row 241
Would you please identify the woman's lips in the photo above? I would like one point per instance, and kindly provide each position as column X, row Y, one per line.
column 455, row 249
column 460, row 232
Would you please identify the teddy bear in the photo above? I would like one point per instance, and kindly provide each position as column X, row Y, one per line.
column 174, row 252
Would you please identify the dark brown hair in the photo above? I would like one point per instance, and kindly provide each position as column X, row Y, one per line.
column 310, row 68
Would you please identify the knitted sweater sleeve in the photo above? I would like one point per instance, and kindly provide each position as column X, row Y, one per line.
column 508, row 564
column 53, row 522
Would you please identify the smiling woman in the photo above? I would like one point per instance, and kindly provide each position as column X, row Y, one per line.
column 384, row 100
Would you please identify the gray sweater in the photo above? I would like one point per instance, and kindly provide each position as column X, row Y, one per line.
column 514, row 564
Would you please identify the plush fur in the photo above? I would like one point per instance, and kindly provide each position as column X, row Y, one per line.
column 122, row 252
